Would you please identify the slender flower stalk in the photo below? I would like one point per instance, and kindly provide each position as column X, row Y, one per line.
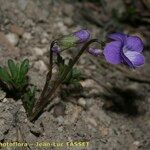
column 44, row 100
column 123, row 49
column 49, row 74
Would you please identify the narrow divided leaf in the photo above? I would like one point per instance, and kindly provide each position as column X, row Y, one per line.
column 24, row 67
column 4, row 75
column 29, row 99
column 13, row 69
column 60, row 60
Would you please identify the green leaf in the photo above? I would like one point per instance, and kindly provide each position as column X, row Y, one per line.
column 68, row 77
column 60, row 60
column 13, row 68
column 23, row 69
column 29, row 98
column 4, row 75
column 76, row 73
column 18, row 71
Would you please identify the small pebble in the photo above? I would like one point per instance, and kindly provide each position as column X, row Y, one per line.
column 59, row 110
column 39, row 51
column 82, row 102
column 5, row 100
column 40, row 65
column 60, row 129
column 68, row 21
column 137, row 143
column 104, row 131
column 22, row 4
column 2, row 95
column 62, row 27
column 92, row 121
column 17, row 30
column 88, row 83
column 60, row 120
column 34, row 129
column 12, row 38
column 44, row 41
column 27, row 36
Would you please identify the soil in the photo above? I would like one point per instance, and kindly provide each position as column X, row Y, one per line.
column 113, row 110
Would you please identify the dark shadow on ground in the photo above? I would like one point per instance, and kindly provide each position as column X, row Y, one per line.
column 122, row 101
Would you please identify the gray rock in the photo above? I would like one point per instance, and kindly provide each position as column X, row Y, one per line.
column 89, row 102
column 88, row 83
column 104, row 117
column 82, row 102
column 40, row 65
column 137, row 143
column 5, row 100
column 68, row 9
column 59, row 110
column 2, row 95
column 44, row 41
column 68, row 21
column 12, row 38
column 60, row 120
column 1, row 136
column 35, row 129
column 39, row 51
column 22, row 4
column 29, row 23
column 133, row 87
column 91, row 121
column 27, row 36
column 34, row 12
column 60, row 129
column 62, row 27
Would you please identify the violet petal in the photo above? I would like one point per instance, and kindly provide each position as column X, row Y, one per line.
column 137, row 59
column 112, row 52
column 117, row 36
column 134, row 43
column 82, row 35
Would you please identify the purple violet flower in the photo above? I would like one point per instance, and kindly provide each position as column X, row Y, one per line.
column 71, row 40
column 124, row 49
column 94, row 51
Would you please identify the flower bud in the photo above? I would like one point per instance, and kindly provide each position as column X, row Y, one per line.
column 82, row 36
column 94, row 51
column 56, row 48
column 71, row 40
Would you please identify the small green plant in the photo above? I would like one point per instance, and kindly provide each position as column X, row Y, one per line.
column 14, row 76
column 15, row 81
column 74, row 76
column 71, row 83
